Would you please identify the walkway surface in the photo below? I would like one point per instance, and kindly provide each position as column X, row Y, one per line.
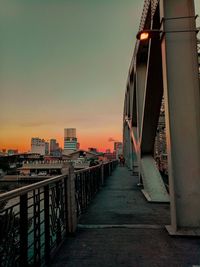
column 121, row 228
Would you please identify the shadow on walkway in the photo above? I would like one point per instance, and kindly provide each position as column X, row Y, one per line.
column 121, row 228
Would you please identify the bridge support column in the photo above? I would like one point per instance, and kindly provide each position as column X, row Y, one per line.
column 182, row 99
column 130, row 152
column 140, row 91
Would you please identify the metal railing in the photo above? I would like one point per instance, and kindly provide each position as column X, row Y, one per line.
column 33, row 222
column 35, row 219
column 89, row 181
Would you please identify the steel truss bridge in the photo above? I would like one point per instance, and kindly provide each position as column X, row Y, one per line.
column 166, row 66
column 36, row 219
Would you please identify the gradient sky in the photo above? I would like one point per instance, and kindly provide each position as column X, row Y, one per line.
column 64, row 63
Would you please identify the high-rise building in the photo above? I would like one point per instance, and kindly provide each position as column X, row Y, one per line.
column 46, row 148
column 70, row 132
column 70, row 140
column 55, row 149
column 38, row 145
column 53, row 145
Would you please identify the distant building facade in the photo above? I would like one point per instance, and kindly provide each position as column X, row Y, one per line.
column 55, row 149
column 78, row 146
column 52, row 145
column 93, row 149
column 116, row 144
column 70, row 140
column 82, row 154
column 43, row 168
column 70, row 132
column 118, row 148
column 108, row 155
column 46, row 148
column 38, row 146
column 12, row 152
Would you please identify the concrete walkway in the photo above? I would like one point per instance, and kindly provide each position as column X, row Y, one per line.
column 121, row 228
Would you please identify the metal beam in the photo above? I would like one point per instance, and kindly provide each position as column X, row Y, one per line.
column 153, row 98
column 154, row 188
column 140, row 91
column 153, row 86
column 182, row 98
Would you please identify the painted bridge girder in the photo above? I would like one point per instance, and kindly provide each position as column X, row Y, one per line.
column 166, row 66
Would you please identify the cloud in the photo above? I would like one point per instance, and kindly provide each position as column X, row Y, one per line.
column 33, row 124
column 111, row 139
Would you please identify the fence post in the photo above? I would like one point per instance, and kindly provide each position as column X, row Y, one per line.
column 47, row 224
column 109, row 169
column 71, row 203
column 23, row 230
column 102, row 174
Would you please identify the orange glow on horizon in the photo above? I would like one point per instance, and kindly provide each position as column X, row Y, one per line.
column 100, row 142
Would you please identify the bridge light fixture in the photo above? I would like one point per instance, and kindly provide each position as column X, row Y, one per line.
column 144, row 36
column 148, row 34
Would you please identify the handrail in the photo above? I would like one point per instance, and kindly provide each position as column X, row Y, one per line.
column 89, row 181
column 87, row 169
column 35, row 219
column 93, row 167
column 25, row 189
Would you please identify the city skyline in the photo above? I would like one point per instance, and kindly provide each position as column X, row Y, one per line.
column 48, row 141
column 61, row 142
column 65, row 64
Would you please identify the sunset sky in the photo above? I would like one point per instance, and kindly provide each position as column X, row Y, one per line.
column 63, row 64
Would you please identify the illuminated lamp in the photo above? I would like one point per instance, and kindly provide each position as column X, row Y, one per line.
column 148, row 34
